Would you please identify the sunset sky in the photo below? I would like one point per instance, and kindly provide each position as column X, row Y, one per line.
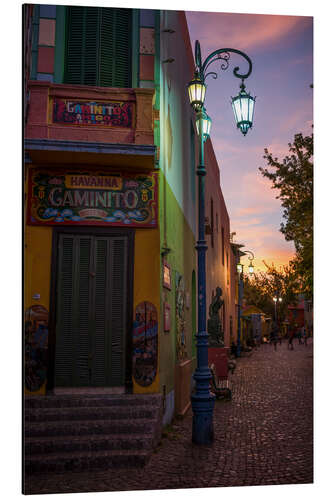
column 280, row 48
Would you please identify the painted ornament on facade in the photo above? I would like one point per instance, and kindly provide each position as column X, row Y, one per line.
column 83, row 198
column 35, row 347
column 180, row 318
column 109, row 114
column 145, row 343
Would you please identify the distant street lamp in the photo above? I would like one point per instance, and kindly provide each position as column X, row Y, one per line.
column 240, row 293
column 243, row 105
column 276, row 299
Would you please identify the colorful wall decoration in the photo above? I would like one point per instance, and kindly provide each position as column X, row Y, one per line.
column 180, row 318
column 35, row 347
column 110, row 114
column 60, row 198
column 145, row 343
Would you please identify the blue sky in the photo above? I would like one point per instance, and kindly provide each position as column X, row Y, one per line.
column 280, row 48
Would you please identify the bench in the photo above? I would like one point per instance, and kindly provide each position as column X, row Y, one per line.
column 221, row 386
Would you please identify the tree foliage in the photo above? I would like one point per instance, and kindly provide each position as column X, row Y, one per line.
column 293, row 178
column 260, row 289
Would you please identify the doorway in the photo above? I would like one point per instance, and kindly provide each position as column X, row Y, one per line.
column 92, row 309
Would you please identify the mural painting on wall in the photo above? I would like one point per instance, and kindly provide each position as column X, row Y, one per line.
column 110, row 114
column 180, row 318
column 35, row 347
column 145, row 338
column 83, row 198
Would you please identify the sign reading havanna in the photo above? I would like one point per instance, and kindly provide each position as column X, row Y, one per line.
column 63, row 198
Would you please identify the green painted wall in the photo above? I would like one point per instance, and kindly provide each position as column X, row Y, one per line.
column 182, row 259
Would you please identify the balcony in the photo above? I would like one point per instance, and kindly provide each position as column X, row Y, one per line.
column 87, row 125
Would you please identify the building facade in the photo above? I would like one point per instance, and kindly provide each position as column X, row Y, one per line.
column 110, row 206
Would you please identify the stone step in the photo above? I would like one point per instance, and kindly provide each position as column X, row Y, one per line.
column 84, row 427
column 89, row 413
column 84, row 461
column 98, row 442
column 69, row 401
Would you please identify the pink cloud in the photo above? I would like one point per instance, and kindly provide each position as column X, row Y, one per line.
column 244, row 30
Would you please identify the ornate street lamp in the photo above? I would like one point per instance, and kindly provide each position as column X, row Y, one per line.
column 243, row 107
column 206, row 124
column 203, row 400
column 196, row 92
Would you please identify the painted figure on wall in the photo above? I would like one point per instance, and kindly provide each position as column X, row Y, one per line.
column 145, row 339
column 35, row 347
column 180, row 318
column 214, row 323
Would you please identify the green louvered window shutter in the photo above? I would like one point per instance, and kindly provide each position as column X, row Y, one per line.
column 98, row 48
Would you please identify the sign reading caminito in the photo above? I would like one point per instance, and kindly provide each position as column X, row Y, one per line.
column 111, row 114
column 88, row 198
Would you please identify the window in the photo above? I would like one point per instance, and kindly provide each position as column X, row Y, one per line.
column 98, row 46
column 222, row 239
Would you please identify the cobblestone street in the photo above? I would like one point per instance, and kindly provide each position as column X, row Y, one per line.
column 262, row 437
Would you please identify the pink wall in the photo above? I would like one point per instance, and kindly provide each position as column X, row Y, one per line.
column 219, row 270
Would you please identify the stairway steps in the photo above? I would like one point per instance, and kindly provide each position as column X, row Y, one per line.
column 90, row 432
column 92, row 442
column 70, row 401
column 89, row 413
column 84, row 427
column 83, row 461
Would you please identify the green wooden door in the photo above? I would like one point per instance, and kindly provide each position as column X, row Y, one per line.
column 91, row 311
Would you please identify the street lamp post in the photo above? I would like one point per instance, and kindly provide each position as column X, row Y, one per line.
column 240, row 293
column 243, row 106
column 276, row 299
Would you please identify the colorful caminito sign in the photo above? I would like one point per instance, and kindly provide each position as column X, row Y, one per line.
column 91, row 198
column 110, row 114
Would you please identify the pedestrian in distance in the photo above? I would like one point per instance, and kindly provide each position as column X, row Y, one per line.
column 304, row 335
column 274, row 335
column 300, row 336
column 291, row 338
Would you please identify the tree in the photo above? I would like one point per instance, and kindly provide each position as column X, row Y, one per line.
column 293, row 178
column 260, row 289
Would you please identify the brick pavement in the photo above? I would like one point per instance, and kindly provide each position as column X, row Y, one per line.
column 262, row 437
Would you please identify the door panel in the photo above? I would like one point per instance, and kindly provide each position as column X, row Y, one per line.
column 91, row 311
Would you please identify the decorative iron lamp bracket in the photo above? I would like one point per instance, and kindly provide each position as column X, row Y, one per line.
column 219, row 55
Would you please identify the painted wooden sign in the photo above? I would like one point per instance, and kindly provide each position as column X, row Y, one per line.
column 90, row 198
column 97, row 114
column 145, row 339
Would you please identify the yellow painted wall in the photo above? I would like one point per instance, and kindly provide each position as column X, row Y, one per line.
column 38, row 249
column 147, row 284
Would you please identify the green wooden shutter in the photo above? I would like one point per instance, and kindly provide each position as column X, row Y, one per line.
column 75, row 37
column 91, row 46
column 100, row 325
column 65, row 340
column 98, row 46
column 118, row 309
column 91, row 311
column 73, row 312
column 82, row 315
